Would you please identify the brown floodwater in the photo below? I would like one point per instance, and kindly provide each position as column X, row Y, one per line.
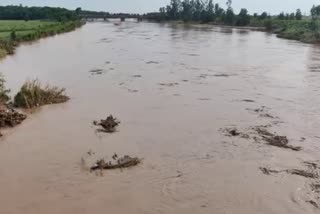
column 173, row 87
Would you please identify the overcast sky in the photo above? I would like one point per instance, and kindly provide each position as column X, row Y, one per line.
column 142, row 6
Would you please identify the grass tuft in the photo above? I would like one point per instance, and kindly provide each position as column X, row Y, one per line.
column 33, row 94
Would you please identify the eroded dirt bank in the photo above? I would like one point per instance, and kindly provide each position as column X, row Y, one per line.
column 176, row 90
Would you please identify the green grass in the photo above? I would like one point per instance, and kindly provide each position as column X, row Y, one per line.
column 20, row 25
column 29, row 31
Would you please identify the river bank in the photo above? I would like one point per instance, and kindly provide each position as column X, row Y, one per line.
column 12, row 37
column 306, row 31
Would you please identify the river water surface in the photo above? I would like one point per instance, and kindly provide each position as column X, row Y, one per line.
column 174, row 87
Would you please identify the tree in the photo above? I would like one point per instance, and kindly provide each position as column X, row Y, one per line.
column 292, row 16
column 186, row 10
column 315, row 12
column 229, row 16
column 229, row 3
column 198, row 9
column 281, row 16
column 243, row 18
column 264, row 15
column 174, row 9
column 298, row 14
column 210, row 11
column 78, row 11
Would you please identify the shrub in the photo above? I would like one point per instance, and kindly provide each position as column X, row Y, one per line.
column 32, row 94
column 4, row 97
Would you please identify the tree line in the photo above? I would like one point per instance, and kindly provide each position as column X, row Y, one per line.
column 35, row 13
column 207, row 11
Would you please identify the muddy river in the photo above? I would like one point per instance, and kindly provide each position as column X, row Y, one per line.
column 174, row 88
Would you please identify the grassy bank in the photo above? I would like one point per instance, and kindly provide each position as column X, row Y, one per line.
column 306, row 31
column 14, row 32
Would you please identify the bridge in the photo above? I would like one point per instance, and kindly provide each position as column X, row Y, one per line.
column 105, row 16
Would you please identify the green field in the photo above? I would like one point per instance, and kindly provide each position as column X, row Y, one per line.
column 13, row 32
column 23, row 27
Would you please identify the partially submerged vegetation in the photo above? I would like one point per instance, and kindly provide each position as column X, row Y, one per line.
column 9, row 117
column 33, row 94
column 108, row 125
column 122, row 162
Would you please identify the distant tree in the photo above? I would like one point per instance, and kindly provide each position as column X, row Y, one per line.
column 281, row 16
column 210, row 11
column 263, row 15
column 292, row 16
column 198, row 10
column 229, row 17
column 255, row 15
column 187, row 12
column 315, row 12
column 218, row 10
column 35, row 13
column 174, row 9
column 229, row 4
column 243, row 18
column 298, row 14
column 78, row 11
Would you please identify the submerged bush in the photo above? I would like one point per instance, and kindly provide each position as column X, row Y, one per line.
column 33, row 94
column 4, row 97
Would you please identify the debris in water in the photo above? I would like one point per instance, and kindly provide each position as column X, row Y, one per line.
column 123, row 162
column 299, row 172
column 137, row 76
column 109, row 125
column 275, row 140
column 311, row 165
column 248, row 101
column 221, row 75
column 313, row 203
column 169, row 84
column 268, row 171
column 10, row 118
column 115, row 156
column 233, row 132
column 303, row 173
column 315, row 187
column 204, row 99
column 96, row 71
column 133, row 90
column 281, row 141
column 152, row 62
column 266, row 115
column 262, row 131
